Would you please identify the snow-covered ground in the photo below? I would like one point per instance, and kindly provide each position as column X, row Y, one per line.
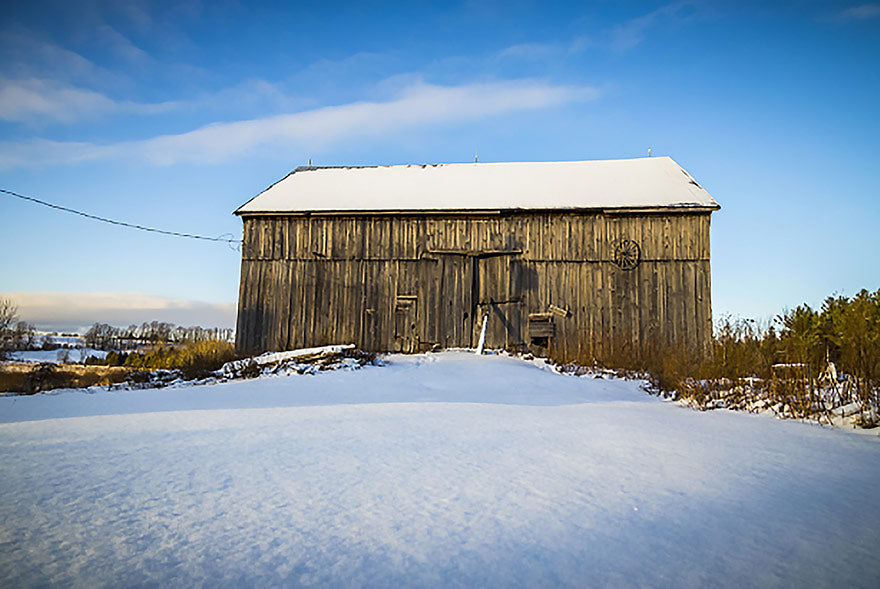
column 56, row 356
column 434, row 470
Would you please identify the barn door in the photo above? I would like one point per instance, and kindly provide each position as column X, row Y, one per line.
column 499, row 299
column 371, row 305
column 467, row 287
column 449, row 301
column 405, row 323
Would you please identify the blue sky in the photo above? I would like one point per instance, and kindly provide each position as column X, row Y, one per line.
column 172, row 114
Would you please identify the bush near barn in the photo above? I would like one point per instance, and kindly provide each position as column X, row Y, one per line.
column 195, row 359
column 813, row 364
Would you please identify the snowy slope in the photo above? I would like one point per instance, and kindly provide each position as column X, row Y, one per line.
column 435, row 470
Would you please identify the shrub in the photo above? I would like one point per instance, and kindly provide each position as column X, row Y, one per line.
column 814, row 362
column 195, row 359
column 817, row 361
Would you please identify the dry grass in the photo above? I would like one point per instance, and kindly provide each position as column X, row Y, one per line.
column 34, row 378
column 194, row 359
column 819, row 363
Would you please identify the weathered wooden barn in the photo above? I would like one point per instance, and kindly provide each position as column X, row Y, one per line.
column 570, row 259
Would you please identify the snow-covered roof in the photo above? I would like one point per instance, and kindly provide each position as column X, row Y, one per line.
column 644, row 183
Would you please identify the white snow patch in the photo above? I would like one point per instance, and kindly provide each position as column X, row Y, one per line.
column 56, row 356
column 434, row 470
column 300, row 361
column 272, row 357
column 278, row 357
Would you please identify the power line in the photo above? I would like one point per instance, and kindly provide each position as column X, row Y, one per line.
column 121, row 223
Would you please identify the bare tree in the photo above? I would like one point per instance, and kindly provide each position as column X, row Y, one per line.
column 8, row 313
column 8, row 318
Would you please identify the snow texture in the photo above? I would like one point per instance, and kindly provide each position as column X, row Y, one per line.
column 434, row 470
column 270, row 358
column 301, row 361
column 54, row 356
column 608, row 184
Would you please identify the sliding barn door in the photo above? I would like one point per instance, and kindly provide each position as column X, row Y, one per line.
column 500, row 300
column 449, row 297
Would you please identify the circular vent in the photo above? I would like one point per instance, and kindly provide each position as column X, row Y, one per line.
column 627, row 254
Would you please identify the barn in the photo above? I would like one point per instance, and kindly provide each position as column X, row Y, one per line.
column 573, row 260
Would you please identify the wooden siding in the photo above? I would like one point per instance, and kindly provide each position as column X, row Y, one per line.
column 408, row 283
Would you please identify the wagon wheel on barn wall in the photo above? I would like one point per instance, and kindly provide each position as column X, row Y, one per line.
column 627, row 254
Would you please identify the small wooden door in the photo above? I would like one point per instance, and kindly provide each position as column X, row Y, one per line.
column 499, row 298
column 406, row 313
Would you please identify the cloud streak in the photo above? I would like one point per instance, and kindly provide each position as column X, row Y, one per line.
column 631, row 33
column 76, row 310
column 861, row 12
column 417, row 105
column 621, row 38
column 36, row 100
column 542, row 51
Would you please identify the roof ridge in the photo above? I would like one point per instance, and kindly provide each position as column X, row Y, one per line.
column 634, row 183
column 310, row 168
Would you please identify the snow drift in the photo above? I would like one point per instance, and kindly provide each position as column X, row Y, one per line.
column 434, row 470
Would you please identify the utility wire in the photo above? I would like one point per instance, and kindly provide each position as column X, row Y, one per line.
column 121, row 223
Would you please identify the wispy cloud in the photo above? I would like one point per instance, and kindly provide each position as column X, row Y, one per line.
column 248, row 97
column 32, row 99
column 121, row 68
column 631, row 33
column 121, row 46
column 24, row 52
column 417, row 105
column 79, row 310
column 36, row 100
column 36, row 153
column 860, row 12
column 544, row 50
column 620, row 38
column 530, row 50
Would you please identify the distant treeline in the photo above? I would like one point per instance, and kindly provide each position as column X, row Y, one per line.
column 844, row 331
column 14, row 333
column 102, row 336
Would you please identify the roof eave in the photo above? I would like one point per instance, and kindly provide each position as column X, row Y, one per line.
column 679, row 208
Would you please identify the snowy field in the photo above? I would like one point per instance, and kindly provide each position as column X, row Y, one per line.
column 434, row 470
column 55, row 356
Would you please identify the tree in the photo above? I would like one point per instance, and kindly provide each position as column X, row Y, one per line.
column 858, row 325
column 23, row 336
column 8, row 318
column 801, row 339
column 100, row 336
